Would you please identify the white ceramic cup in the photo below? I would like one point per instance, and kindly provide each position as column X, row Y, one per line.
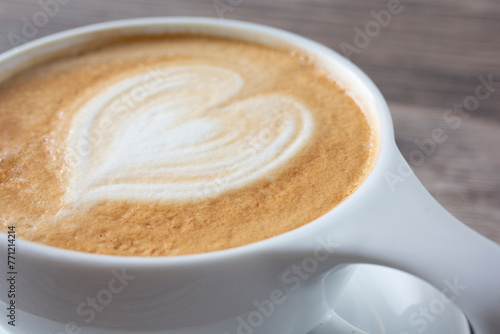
column 272, row 286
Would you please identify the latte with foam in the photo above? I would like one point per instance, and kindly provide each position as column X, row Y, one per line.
column 170, row 145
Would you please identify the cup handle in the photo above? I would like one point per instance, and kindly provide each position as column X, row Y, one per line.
column 403, row 227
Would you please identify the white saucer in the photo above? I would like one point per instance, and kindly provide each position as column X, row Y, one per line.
column 376, row 300
column 380, row 300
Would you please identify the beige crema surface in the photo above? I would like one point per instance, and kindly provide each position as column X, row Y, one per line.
column 175, row 145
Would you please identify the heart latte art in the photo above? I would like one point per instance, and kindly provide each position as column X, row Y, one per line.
column 170, row 145
column 179, row 143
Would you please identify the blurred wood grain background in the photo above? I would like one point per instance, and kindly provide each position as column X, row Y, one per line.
column 425, row 60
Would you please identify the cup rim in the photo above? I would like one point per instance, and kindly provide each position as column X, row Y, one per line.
column 381, row 111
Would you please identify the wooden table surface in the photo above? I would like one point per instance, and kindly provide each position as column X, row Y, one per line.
column 426, row 59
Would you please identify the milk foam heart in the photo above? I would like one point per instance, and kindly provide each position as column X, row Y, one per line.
column 180, row 135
